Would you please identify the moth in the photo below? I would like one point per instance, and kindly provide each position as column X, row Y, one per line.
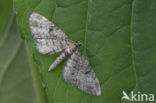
column 50, row 40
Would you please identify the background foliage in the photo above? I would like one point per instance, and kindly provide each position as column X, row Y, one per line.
column 120, row 37
column 15, row 79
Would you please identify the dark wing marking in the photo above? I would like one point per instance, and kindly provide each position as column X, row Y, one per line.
column 79, row 72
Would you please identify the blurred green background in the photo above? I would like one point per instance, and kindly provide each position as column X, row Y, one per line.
column 16, row 76
column 120, row 36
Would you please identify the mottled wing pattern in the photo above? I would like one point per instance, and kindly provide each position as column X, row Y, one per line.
column 79, row 72
column 49, row 38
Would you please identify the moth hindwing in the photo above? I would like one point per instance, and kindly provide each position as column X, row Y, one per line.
column 50, row 40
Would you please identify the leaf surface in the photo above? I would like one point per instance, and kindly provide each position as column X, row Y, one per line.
column 5, row 8
column 117, row 42
column 15, row 78
column 17, row 85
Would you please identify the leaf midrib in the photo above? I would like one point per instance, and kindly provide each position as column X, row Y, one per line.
column 131, row 41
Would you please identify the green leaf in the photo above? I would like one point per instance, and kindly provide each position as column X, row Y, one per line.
column 16, row 82
column 15, row 79
column 5, row 8
column 119, row 38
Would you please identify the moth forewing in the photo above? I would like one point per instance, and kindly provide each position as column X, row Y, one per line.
column 50, row 39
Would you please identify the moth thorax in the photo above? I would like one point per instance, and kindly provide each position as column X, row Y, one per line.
column 71, row 49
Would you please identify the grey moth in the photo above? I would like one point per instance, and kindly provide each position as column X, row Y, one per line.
column 50, row 40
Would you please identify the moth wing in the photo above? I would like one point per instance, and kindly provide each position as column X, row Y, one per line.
column 48, row 37
column 79, row 72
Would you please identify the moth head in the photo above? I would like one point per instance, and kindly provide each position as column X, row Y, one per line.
column 78, row 43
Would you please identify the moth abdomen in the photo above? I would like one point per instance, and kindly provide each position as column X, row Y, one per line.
column 58, row 61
